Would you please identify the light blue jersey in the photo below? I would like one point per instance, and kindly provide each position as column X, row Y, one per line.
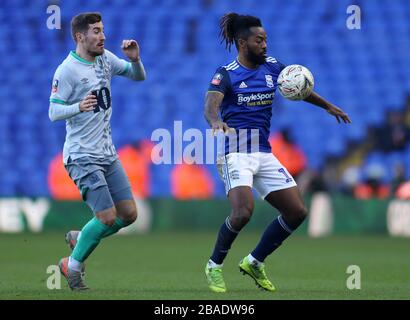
column 88, row 133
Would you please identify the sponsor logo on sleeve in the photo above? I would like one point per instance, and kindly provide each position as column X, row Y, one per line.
column 54, row 87
column 216, row 80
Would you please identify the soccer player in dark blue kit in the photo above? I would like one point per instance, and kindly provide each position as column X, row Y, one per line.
column 242, row 93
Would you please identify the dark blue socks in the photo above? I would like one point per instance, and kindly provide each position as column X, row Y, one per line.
column 226, row 236
column 271, row 239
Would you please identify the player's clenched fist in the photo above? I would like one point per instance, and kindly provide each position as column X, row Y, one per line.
column 88, row 104
column 131, row 49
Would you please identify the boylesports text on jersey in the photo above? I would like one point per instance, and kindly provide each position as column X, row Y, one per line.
column 256, row 99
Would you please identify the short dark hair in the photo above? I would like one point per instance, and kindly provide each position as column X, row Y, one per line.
column 235, row 26
column 81, row 21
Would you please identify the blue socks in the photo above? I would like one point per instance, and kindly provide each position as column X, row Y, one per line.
column 271, row 239
column 226, row 236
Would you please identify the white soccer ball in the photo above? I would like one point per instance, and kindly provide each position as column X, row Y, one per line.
column 295, row 82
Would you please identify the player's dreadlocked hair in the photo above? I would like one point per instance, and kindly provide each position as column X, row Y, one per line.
column 234, row 27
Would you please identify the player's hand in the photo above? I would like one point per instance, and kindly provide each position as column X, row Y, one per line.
column 89, row 103
column 339, row 114
column 218, row 126
column 131, row 50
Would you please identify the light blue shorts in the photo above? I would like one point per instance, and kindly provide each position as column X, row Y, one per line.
column 102, row 184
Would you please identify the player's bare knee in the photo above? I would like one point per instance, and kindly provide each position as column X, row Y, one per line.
column 131, row 216
column 295, row 216
column 241, row 216
column 128, row 214
column 302, row 213
column 298, row 216
column 107, row 216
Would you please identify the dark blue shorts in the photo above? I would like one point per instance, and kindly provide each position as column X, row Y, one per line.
column 101, row 184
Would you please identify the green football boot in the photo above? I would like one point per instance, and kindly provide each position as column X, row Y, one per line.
column 257, row 273
column 215, row 279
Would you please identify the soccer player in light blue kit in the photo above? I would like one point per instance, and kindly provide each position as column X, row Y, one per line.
column 243, row 92
column 81, row 96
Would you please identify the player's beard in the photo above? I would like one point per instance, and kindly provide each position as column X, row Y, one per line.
column 256, row 58
column 95, row 50
column 95, row 53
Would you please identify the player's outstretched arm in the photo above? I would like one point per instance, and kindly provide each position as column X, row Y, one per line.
column 213, row 102
column 338, row 113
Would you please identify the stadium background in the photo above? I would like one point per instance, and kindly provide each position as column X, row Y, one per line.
column 351, row 176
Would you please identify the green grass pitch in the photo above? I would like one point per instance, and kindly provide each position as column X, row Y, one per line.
column 170, row 266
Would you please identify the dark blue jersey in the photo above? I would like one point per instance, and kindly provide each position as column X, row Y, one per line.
column 248, row 97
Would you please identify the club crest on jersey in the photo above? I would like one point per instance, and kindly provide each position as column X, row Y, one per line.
column 106, row 73
column 104, row 67
column 269, row 80
column 54, row 87
column 216, row 80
